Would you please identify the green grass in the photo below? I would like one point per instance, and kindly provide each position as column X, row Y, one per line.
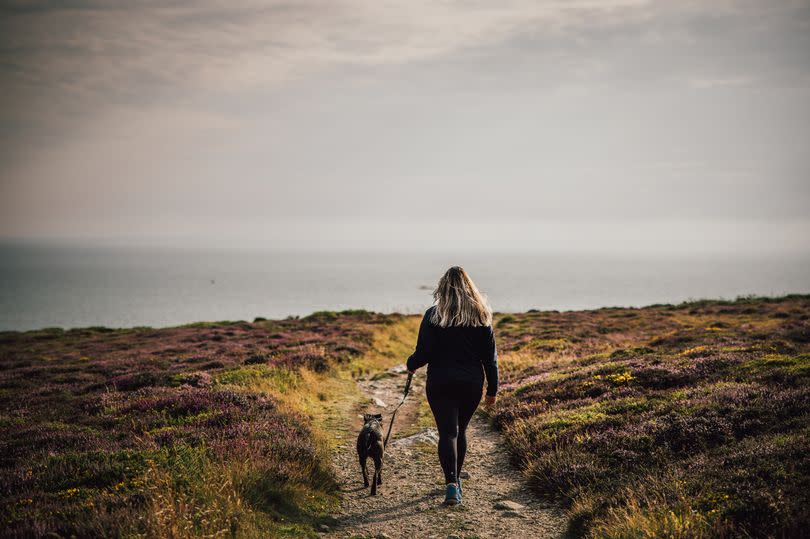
column 181, row 432
column 680, row 421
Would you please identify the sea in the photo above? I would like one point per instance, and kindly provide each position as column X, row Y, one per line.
column 69, row 286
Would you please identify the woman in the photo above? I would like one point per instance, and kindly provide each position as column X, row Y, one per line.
column 457, row 344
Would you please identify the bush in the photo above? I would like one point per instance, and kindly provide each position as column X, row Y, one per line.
column 696, row 426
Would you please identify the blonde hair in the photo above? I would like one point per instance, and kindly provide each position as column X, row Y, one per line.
column 458, row 301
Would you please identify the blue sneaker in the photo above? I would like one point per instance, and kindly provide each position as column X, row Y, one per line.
column 459, row 488
column 452, row 496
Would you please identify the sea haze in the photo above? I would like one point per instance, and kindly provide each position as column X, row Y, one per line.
column 117, row 287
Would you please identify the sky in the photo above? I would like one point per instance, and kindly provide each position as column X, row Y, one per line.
column 620, row 125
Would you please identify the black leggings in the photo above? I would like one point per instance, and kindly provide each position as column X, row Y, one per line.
column 453, row 405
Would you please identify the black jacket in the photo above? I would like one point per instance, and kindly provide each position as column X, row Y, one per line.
column 463, row 354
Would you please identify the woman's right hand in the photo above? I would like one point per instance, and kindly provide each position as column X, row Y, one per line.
column 489, row 401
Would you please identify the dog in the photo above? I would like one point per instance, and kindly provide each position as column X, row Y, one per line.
column 370, row 444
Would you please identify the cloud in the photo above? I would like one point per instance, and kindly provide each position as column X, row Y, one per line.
column 131, row 51
column 715, row 83
column 84, row 54
column 162, row 111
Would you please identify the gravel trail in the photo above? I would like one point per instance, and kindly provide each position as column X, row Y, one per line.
column 496, row 501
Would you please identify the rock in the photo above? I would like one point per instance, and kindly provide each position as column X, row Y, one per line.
column 323, row 528
column 430, row 436
column 513, row 514
column 464, row 475
column 196, row 379
column 508, row 505
column 378, row 402
column 398, row 369
column 256, row 359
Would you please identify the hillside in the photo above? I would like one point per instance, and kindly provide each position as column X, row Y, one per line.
column 688, row 420
column 669, row 421
column 206, row 429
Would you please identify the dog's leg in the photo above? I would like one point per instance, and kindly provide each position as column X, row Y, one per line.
column 377, row 480
column 365, row 471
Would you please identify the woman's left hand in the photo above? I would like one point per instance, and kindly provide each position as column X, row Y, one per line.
column 489, row 401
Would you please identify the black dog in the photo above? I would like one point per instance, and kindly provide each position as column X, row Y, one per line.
column 370, row 444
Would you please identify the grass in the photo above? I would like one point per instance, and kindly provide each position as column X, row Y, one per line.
column 686, row 420
column 209, row 429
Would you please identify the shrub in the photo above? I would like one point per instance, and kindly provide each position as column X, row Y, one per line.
column 689, row 421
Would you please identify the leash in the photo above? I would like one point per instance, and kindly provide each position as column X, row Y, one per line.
column 394, row 413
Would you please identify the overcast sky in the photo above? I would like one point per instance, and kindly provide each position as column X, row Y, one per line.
column 622, row 125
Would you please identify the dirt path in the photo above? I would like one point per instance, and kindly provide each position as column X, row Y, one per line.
column 409, row 500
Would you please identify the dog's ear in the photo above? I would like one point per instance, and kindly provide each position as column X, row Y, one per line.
column 367, row 418
column 378, row 417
